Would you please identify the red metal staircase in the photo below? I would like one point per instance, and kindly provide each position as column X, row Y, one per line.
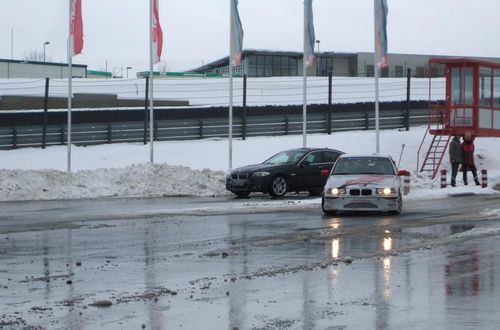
column 438, row 145
column 435, row 154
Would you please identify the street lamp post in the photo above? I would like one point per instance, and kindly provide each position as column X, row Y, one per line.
column 128, row 68
column 317, row 60
column 45, row 44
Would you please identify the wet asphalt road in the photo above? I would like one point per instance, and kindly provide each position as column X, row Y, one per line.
column 221, row 263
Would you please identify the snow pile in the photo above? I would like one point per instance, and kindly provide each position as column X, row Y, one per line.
column 491, row 213
column 476, row 233
column 135, row 180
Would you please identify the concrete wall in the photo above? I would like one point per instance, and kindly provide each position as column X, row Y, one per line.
column 15, row 102
column 33, row 70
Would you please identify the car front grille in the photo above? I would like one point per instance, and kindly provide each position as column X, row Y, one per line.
column 360, row 192
column 239, row 176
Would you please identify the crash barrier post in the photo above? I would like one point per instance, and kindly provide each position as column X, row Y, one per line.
column 484, row 178
column 408, row 99
column 244, row 123
column 329, row 111
column 146, row 111
column 443, row 178
column 406, row 183
column 45, row 113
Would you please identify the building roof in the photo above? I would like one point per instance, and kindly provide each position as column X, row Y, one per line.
column 463, row 60
column 224, row 61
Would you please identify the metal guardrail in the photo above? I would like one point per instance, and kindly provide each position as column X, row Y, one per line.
column 203, row 128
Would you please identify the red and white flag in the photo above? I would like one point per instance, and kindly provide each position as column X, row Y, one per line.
column 76, row 28
column 157, row 34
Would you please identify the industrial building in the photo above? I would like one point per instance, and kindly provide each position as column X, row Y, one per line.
column 266, row 63
column 35, row 70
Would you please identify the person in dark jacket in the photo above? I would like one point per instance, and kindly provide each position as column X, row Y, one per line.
column 456, row 158
column 468, row 158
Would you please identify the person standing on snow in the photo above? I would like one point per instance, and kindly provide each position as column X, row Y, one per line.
column 468, row 158
column 456, row 158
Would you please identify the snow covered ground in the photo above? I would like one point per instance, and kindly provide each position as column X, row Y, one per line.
column 197, row 168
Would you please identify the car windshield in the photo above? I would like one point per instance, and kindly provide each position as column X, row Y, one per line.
column 363, row 165
column 286, row 157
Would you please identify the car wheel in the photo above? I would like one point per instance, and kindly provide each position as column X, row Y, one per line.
column 278, row 186
column 326, row 212
column 400, row 206
column 242, row 194
column 315, row 192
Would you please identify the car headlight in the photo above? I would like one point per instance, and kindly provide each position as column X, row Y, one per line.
column 386, row 191
column 260, row 174
column 335, row 191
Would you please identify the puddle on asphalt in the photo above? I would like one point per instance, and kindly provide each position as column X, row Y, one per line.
column 439, row 230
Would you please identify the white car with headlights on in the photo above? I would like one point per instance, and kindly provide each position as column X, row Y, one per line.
column 363, row 183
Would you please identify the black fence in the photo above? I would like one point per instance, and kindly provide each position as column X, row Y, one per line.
column 26, row 129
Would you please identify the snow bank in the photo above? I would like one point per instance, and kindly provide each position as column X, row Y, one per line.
column 135, row 180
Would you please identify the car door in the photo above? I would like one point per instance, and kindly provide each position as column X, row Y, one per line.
column 309, row 171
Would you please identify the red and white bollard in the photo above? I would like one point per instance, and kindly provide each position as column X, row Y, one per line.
column 443, row 178
column 406, row 183
column 484, row 178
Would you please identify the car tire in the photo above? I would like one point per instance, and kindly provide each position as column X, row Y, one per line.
column 326, row 212
column 278, row 186
column 242, row 194
column 400, row 206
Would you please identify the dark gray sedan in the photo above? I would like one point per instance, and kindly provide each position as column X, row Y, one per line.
column 304, row 169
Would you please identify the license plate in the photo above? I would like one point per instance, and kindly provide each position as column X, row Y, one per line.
column 238, row 183
column 357, row 200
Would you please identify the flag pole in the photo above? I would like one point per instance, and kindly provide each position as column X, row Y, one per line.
column 70, row 82
column 231, row 48
column 376, row 58
column 377, row 126
column 304, row 92
column 151, row 103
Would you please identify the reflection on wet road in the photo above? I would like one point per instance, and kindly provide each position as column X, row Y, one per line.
column 276, row 270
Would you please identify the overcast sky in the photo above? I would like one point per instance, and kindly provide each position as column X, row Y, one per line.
column 197, row 31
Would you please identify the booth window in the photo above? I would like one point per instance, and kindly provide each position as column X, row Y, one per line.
column 462, row 84
column 485, row 81
column 456, row 86
column 496, row 89
column 469, row 85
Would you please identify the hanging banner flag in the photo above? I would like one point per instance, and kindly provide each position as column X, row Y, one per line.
column 76, row 28
column 381, row 11
column 236, row 34
column 157, row 34
column 310, row 35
